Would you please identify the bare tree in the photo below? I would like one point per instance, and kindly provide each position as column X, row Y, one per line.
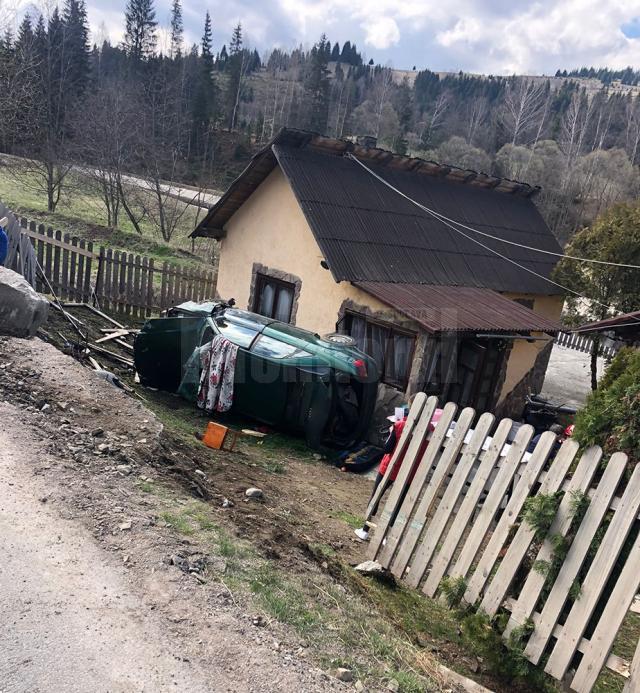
column 632, row 129
column 523, row 109
column 435, row 119
column 477, row 113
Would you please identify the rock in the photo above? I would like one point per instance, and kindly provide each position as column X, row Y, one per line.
column 226, row 503
column 124, row 469
column 254, row 493
column 103, row 448
column 124, row 526
column 22, row 310
column 393, row 685
column 370, row 568
column 342, row 674
column 97, row 432
column 199, row 472
column 259, row 622
column 359, row 686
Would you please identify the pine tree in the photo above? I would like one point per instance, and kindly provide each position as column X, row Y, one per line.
column 335, row 53
column 177, row 30
column 24, row 42
column 140, row 29
column 237, row 67
column 317, row 88
column 207, row 43
column 223, row 59
column 76, row 40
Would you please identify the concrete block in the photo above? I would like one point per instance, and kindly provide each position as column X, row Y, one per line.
column 22, row 310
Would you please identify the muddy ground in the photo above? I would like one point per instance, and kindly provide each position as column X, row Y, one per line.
column 253, row 593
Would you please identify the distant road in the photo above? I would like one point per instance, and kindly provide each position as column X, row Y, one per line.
column 204, row 198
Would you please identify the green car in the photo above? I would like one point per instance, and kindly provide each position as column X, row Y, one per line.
column 285, row 377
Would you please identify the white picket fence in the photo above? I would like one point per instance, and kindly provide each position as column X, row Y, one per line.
column 459, row 517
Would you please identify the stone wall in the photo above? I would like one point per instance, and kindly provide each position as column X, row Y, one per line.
column 513, row 404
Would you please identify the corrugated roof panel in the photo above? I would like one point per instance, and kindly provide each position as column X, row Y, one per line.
column 368, row 231
column 451, row 308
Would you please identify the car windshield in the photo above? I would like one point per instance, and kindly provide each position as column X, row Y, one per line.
column 272, row 348
column 242, row 335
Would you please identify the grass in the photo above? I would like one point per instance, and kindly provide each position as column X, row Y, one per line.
column 354, row 521
column 81, row 212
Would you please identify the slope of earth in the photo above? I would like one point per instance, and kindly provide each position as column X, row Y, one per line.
column 119, row 528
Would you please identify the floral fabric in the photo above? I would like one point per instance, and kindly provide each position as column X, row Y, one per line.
column 217, row 376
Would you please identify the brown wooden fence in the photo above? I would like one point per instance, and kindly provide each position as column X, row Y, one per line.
column 124, row 282
column 461, row 517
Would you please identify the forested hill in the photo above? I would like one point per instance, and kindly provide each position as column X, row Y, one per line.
column 197, row 113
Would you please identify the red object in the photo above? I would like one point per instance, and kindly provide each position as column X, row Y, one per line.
column 361, row 368
column 568, row 431
column 398, row 428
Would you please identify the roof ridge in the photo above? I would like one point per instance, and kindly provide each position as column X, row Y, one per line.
column 301, row 139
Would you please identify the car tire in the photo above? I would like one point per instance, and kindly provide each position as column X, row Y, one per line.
column 338, row 339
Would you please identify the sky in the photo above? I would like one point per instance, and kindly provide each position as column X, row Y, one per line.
column 483, row 36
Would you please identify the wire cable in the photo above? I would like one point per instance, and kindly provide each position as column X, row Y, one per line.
column 442, row 217
column 435, row 215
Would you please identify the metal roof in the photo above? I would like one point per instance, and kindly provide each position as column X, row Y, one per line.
column 459, row 308
column 630, row 321
column 367, row 232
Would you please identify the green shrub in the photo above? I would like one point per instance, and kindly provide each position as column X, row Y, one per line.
column 453, row 590
column 611, row 416
column 539, row 511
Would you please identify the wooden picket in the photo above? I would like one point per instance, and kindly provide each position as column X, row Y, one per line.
column 458, row 502
column 118, row 281
column 584, row 343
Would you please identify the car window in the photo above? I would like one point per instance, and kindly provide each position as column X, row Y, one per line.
column 238, row 334
column 272, row 348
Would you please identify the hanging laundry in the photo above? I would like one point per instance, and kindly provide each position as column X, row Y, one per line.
column 218, row 372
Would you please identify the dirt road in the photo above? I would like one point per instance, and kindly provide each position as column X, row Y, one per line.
column 70, row 621
column 88, row 601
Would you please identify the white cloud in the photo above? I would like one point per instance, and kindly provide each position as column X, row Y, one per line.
column 491, row 36
column 381, row 33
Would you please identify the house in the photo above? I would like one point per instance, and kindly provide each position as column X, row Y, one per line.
column 310, row 236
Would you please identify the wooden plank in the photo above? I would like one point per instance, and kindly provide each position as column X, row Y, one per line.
column 114, row 335
column 164, row 286
column 497, row 590
column 406, row 450
column 64, row 270
column 508, row 466
column 82, row 271
column 112, row 355
column 601, row 640
column 633, row 684
column 463, row 516
column 442, row 515
column 446, row 461
column 100, row 276
column 86, row 287
column 137, row 294
column 395, row 538
column 401, row 447
column 575, row 557
column 57, row 252
column 47, row 266
column 129, row 284
column 580, row 481
column 54, row 241
column 150, row 303
column 598, row 574
column 529, row 477
column 409, row 462
column 124, row 344
column 73, row 262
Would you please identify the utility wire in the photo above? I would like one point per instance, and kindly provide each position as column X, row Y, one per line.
column 446, row 222
column 442, row 217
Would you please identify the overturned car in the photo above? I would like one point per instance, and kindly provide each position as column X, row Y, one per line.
column 284, row 376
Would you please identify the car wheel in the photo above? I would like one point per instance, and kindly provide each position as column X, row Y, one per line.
column 338, row 339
